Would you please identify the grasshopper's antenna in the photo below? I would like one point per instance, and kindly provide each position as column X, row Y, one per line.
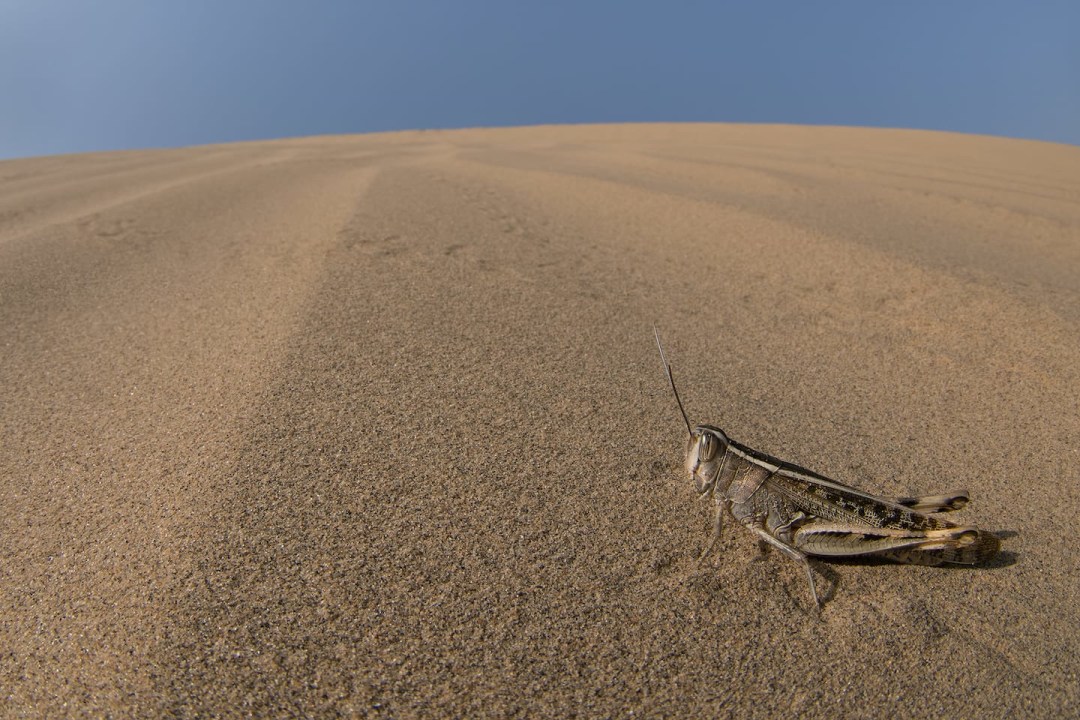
column 671, row 380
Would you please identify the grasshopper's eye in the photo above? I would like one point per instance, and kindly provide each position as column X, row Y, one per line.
column 707, row 447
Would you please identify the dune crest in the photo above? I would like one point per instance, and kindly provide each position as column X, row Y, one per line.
column 375, row 424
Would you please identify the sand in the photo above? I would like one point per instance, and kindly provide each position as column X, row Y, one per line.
column 375, row 425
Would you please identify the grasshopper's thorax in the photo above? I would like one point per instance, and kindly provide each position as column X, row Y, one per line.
column 705, row 452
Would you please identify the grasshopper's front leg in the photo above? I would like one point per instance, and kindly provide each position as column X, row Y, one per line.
column 718, row 529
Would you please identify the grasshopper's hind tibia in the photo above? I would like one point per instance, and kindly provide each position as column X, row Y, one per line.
column 930, row 504
column 962, row 545
column 967, row 546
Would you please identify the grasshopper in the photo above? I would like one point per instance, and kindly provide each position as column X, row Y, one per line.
column 801, row 513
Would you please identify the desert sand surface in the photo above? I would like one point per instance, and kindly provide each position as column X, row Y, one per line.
column 375, row 425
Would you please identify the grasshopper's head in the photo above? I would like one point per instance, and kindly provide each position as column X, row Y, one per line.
column 705, row 451
column 706, row 446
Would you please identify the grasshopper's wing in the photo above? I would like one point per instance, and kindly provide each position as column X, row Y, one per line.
column 946, row 502
column 928, row 504
column 821, row 497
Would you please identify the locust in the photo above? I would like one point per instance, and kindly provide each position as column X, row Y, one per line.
column 802, row 513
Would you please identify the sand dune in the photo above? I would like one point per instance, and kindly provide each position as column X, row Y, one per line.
column 376, row 425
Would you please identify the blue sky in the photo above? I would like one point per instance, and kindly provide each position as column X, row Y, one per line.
column 113, row 74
